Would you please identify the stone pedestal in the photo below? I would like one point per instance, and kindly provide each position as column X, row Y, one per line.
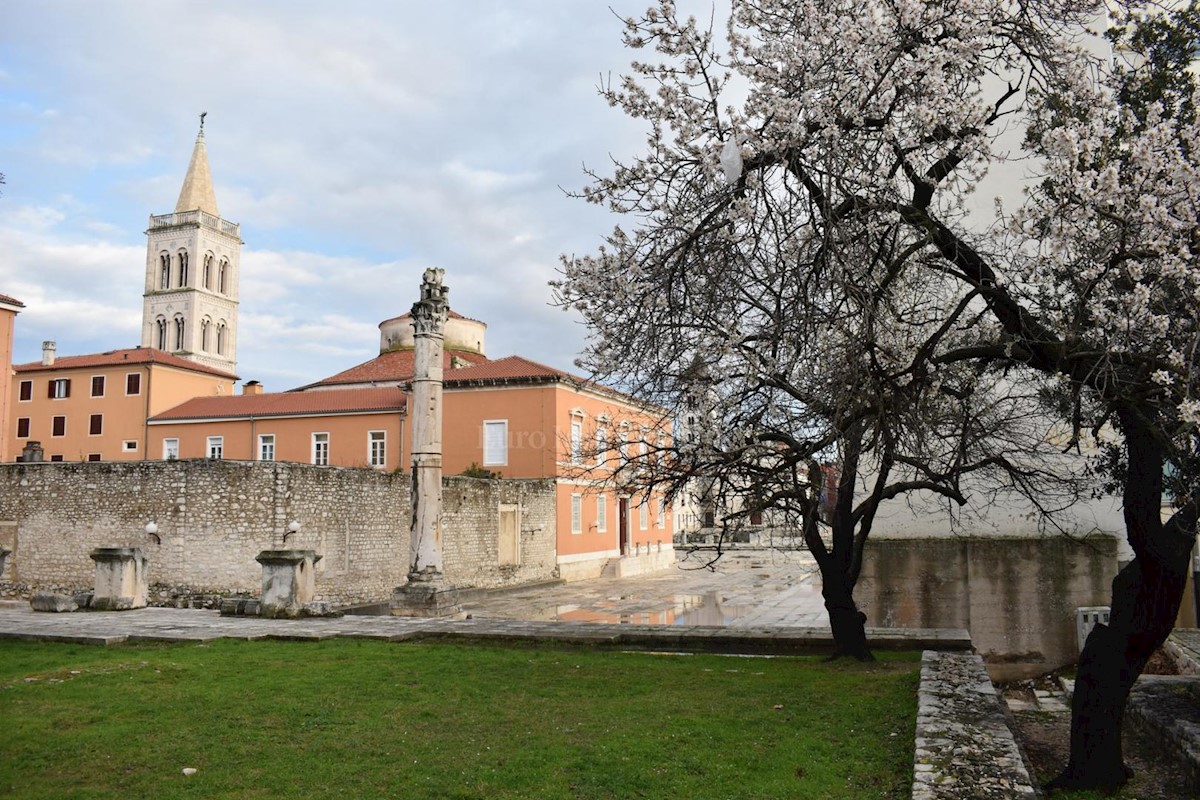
column 121, row 580
column 289, row 581
column 425, row 595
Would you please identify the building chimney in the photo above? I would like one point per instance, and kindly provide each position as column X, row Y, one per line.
column 48, row 349
column 252, row 387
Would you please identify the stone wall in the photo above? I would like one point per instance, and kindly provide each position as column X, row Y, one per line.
column 214, row 517
column 1017, row 596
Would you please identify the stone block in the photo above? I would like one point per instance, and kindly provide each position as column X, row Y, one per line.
column 120, row 577
column 48, row 601
column 288, row 582
column 83, row 599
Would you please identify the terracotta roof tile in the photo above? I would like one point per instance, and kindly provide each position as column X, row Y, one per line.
column 395, row 366
column 12, row 301
column 133, row 355
column 508, row 369
column 283, row 404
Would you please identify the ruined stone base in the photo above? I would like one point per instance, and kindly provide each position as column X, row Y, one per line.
column 54, row 603
column 425, row 599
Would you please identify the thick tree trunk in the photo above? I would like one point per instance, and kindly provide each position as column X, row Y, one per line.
column 1145, row 601
column 847, row 623
column 1146, row 598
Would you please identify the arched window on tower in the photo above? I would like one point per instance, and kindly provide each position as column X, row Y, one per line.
column 221, row 336
column 179, row 333
column 160, row 326
column 183, row 268
column 164, row 271
column 208, row 270
column 205, row 330
column 223, row 277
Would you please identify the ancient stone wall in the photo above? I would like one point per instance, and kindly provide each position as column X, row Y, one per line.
column 214, row 517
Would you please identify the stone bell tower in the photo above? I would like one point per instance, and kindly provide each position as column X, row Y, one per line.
column 193, row 260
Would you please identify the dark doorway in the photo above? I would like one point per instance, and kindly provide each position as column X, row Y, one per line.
column 623, row 524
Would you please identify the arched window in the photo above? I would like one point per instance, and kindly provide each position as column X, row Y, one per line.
column 179, row 333
column 160, row 325
column 205, row 327
column 221, row 338
column 164, row 272
column 183, row 268
column 208, row 265
column 223, row 277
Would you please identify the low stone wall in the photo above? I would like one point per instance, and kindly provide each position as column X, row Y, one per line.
column 964, row 747
column 1017, row 596
column 214, row 517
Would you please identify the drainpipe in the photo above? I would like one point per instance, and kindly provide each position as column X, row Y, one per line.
column 146, row 417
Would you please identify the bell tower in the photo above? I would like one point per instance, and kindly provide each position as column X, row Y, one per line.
column 193, row 260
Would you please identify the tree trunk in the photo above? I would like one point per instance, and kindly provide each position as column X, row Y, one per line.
column 847, row 623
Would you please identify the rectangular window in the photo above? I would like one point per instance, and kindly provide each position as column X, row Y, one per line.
column 58, row 426
column 377, row 448
column 661, row 522
column 170, row 449
column 495, row 442
column 97, row 386
column 93, row 456
column 133, row 383
column 56, row 458
column 59, row 388
column 576, row 441
column 26, row 391
column 643, row 516
column 22, row 427
column 576, row 513
column 216, row 447
column 601, row 513
column 95, row 424
column 266, row 447
column 320, row 449
column 601, row 445
column 129, row 446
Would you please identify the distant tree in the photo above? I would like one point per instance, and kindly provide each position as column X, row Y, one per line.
column 801, row 238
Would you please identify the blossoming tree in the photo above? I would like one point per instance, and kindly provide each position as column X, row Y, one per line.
column 806, row 270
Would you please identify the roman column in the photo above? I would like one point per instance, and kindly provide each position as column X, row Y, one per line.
column 427, row 593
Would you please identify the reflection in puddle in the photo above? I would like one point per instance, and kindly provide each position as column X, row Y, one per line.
column 681, row 609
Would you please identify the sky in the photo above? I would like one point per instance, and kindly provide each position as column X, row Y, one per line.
column 356, row 143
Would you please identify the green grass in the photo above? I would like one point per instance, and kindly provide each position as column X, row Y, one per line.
column 356, row 718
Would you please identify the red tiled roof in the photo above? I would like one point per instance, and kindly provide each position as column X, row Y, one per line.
column 133, row 355
column 512, row 368
column 395, row 366
column 285, row 404
column 12, row 301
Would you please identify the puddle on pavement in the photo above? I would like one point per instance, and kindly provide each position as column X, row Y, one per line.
column 680, row 609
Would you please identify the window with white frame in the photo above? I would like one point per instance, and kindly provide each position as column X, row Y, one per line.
column 643, row 516
column 576, row 513
column 576, row 440
column 377, row 448
column 495, row 442
column 59, row 388
column 320, row 449
column 601, row 513
column 601, row 445
column 26, row 392
column 97, row 386
column 129, row 446
column 216, row 447
column 661, row 522
column 266, row 447
column 133, row 383
column 170, row 449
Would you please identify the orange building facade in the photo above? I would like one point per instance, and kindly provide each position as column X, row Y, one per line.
column 96, row 407
column 9, row 308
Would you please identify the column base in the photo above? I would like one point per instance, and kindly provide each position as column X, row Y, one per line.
column 425, row 598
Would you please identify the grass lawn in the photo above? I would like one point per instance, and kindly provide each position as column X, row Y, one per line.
column 358, row 718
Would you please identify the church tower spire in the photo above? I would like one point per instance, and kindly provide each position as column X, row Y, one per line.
column 193, row 262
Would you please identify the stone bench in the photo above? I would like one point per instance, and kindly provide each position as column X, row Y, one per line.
column 964, row 746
